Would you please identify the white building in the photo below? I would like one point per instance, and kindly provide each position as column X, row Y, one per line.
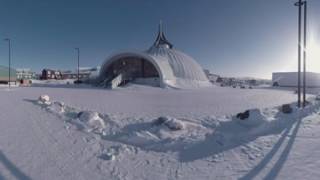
column 161, row 65
column 25, row 73
column 290, row 79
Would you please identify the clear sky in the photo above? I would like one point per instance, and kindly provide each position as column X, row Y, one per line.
column 229, row 37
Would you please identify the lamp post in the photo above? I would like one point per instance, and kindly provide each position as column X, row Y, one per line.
column 299, row 4
column 9, row 51
column 304, row 52
column 78, row 52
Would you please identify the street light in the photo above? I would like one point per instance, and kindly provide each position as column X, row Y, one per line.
column 9, row 48
column 299, row 4
column 78, row 51
column 304, row 52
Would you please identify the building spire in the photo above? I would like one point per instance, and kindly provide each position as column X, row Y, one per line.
column 161, row 40
column 160, row 27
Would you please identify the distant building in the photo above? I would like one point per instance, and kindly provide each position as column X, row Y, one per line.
column 73, row 75
column 4, row 75
column 24, row 73
column 50, row 74
column 84, row 73
column 290, row 79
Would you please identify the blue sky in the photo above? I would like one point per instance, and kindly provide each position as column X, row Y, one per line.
column 229, row 37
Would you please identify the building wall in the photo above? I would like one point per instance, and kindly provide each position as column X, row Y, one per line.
column 290, row 79
column 135, row 67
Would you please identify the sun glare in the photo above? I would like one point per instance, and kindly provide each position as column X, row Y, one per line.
column 313, row 56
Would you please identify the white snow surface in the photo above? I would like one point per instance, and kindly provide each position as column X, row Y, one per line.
column 142, row 132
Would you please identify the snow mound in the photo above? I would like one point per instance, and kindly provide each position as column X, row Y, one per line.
column 162, row 134
column 318, row 97
column 44, row 99
column 56, row 107
column 172, row 123
column 92, row 121
column 255, row 119
column 88, row 121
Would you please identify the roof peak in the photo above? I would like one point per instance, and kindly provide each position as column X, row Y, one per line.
column 161, row 40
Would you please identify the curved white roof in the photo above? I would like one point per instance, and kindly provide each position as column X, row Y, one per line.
column 176, row 69
column 182, row 65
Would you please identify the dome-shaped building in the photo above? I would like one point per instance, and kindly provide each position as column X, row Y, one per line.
column 161, row 65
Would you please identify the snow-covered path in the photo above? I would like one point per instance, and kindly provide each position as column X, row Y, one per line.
column 37, row 144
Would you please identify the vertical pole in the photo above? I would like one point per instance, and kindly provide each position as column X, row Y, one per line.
column 78, row 65
column 78, row 72
column 9, row 43
column 304, row 53
column 299, row 54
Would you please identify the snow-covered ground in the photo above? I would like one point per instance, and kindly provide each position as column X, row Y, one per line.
column 142, row 132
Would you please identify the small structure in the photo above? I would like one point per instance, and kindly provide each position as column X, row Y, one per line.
column 25, row 82
column 290, row 79
column 161, row 65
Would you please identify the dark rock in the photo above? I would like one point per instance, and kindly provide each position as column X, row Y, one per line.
column 244, row 115
column 286, row 108
column 160, row 120
column 79, row 114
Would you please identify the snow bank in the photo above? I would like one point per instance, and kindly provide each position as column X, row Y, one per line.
column 161, row 134
column 255, row 119
column 182, row 135
column 172, row 123
column 56, row 107
column 91, row 121
column 88, row 121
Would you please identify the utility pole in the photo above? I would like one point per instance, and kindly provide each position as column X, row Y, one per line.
column 9, row 49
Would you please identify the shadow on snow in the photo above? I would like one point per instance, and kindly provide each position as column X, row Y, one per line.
column 15, row 171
